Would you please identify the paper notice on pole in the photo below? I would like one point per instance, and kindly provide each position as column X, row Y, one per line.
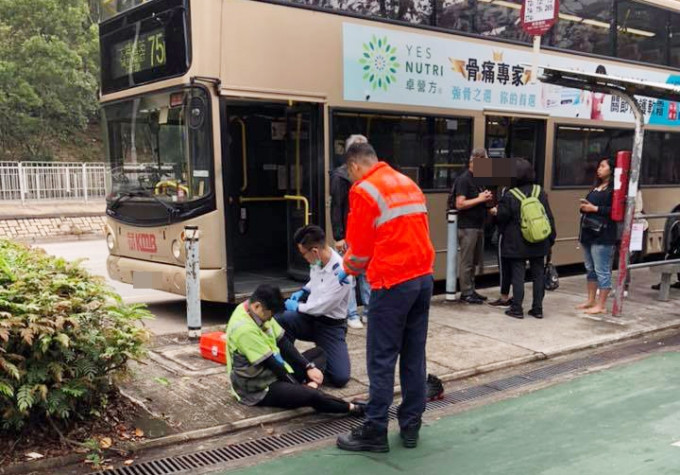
column 618, row 173
column 636, row 237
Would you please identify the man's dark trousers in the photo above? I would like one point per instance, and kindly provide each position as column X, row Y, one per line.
column 325, row 332
column 397, row 327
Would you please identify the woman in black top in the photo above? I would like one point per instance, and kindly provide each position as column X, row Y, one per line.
column 598, row 238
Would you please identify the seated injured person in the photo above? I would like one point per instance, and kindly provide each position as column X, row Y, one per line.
column 266, row 369
column 318, row 312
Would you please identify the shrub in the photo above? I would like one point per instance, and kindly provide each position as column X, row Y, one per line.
column 65, row 338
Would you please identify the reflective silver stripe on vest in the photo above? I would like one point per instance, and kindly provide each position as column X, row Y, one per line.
column 400, row 211
column 353, row 268
column 358, row 259
column 387, row 214
column 375, row 194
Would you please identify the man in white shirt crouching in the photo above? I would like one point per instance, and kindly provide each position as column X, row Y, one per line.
column 318, row 312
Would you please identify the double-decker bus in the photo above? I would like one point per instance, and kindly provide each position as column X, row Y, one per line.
column 231, row 114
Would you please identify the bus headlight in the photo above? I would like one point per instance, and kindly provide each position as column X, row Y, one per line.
column 110, row 242
column 176, row 249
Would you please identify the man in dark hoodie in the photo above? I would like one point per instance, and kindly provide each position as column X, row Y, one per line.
column 340, row 185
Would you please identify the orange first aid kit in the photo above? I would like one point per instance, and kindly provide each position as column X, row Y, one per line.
column 214, row 346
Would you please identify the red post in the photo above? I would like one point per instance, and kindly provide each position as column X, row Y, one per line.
column 621, row 173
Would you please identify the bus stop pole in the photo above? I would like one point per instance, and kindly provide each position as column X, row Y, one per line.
column 193, row 281
column 636, row 159
column 451, row 254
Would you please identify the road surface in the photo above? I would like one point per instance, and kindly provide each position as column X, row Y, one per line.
column 169, row 309
column 620, row 421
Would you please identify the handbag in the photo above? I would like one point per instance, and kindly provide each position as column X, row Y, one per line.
column 592, row 223
column 552, row 280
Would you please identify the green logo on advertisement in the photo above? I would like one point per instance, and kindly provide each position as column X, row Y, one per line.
column 379, row 63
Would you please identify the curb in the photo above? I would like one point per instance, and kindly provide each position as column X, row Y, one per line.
column 41, row 465
column 449, row 377
column 287, row 415
column 58, row 239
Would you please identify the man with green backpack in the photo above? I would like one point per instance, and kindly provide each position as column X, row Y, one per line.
column 526, row 221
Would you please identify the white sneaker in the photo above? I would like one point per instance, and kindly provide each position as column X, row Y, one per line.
column 364, row 319
column 355, row 323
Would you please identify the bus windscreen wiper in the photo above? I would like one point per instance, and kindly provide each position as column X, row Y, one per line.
column 145, row 194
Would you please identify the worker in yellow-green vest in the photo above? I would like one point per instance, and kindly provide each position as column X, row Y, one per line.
column 265, row 368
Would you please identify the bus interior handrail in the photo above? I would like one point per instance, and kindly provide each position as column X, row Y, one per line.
column 244, row 151
column 264, row 199
column 298, row 184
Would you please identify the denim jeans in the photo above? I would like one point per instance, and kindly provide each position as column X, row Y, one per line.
column 598, row 260
column 364, row 292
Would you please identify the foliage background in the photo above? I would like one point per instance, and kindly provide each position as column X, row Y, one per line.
column 65, row 339
column 49, row 73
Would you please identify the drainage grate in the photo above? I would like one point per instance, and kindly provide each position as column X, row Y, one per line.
column 325, row 430
column 468, row 394
column 509, row 383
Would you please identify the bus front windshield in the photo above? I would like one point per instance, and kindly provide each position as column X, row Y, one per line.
column 111, row 8
column 158, row 147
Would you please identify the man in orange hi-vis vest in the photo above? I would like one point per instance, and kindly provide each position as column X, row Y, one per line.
column 389, row 240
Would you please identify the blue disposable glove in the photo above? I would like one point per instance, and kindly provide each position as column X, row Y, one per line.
column 297, row 295
column 342, row 277
column 292, row 305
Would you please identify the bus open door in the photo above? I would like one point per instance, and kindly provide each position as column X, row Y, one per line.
column 275, row 186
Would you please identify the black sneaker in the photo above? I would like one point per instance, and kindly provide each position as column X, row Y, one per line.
column 536, row 313
column 479, row 296
column 365, row 438
column 501, row 303
column 514, row 313
column 435, row 388
column 409, row 436
column 471, row 299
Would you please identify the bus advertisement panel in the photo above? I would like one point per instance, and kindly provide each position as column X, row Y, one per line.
column 389, row 66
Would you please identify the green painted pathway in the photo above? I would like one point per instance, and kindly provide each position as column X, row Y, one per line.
column 618, row 421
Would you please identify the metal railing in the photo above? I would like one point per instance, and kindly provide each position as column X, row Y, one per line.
column 642, row 265
column 619, row 297
column 52, row 181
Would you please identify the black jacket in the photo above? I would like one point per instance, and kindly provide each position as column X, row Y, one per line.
column 340, row 185
column 509, row 222
column 603, row 201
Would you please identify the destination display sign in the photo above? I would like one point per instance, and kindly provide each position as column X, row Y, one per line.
column 142, row 53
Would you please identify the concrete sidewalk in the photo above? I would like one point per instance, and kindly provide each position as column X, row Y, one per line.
column 192, row 395
column 51, row 209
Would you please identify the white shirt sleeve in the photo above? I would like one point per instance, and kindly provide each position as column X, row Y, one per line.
column 327, row 296
column 323, row 302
